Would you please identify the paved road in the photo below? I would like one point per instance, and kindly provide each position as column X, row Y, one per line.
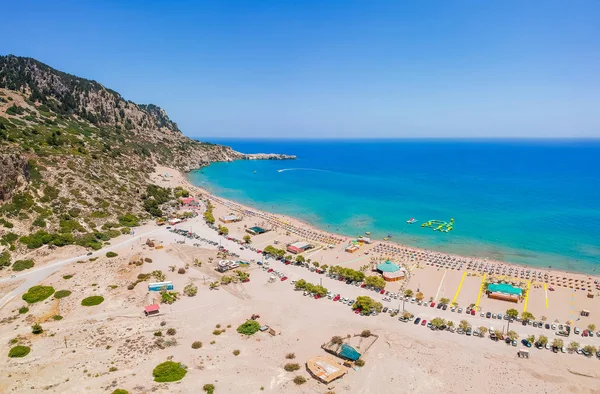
column 36, row 275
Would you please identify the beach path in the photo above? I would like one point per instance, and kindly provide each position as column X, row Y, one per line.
column 462, row 280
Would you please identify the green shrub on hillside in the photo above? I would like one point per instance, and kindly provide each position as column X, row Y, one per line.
column 169, row 371
column 129, row 220
column 92, row 301
column 250, row 327
column 4, row 259
column 62, row 294
column 37, row 294
column 111, row 254
column 19, row 351
column 21, row 265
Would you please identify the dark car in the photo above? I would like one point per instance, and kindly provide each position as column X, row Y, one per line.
column 547, row 326
column 439, row 306
column 445, row 307
column 385, row 308
column 417, row 320
column 488, row 315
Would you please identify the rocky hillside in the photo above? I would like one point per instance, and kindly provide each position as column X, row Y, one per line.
column 75, row 156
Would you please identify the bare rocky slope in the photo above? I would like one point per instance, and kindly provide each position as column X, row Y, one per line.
column 75, row 158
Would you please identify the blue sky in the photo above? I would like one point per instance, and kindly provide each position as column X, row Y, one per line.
column 336, row 69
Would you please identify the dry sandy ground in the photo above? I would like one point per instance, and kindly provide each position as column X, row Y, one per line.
column 97, row 349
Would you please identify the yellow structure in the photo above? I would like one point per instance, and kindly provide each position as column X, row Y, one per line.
column 325, row 369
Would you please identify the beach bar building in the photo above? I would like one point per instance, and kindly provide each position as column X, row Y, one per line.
column 391, row 272
column 299, row 247
column 256, row 230
column 504, row 292
column 325, row 369
column 229, row 218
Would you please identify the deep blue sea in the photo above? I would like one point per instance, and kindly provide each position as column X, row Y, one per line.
column 530, row 202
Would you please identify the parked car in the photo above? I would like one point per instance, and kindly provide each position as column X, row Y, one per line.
column 417, row 320
column 473, row 312
column 424, row 322
column 445, row 307
column 488, row 315
column 432, row 304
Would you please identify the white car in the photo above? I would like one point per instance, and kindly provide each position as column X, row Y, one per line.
column 576, row 330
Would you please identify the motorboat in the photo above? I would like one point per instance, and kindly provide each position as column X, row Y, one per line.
column 411, row 221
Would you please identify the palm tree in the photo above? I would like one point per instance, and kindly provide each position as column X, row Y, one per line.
column 512, row 335
column 444, row 301
column 591, row 327
column 419, row 296
column 482, row 331
column 531, row 339
column 455, row 304
column 408, row 292
column 543, row 318
column 450, row 323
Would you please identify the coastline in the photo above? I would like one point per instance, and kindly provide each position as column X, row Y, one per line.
column 589, row 277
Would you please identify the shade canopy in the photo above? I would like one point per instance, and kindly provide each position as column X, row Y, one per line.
column 388, row 266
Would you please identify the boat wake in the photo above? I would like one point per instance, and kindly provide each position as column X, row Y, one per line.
column 303, row 169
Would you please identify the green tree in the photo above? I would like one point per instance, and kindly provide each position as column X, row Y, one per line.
column 573, row 346
column 513, row 313
column 444, row 301
column 37, row 329
column 375, row 281
column 531, row 339
column 482, row 330
column 223, row 230
column 247, row 239
column 527, row 316
column 557, row 343
column 300, row 259
column 366, row 304
column 591, row 327
column 300, row 284
column 463, row 325
column 419, row 296
column 512, row 335
column 408, row 292
column 591, row 350
column 438, row 322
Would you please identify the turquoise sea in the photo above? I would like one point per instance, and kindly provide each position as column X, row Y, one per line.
column 530, row 202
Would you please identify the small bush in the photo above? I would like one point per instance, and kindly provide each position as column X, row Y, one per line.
column 250, row 327
column 299, row 380
column 148, row 260
column 158, row 333
column 236, row 352
column 290, row 356
column 23, row 310
column 111, row 254
column 209, row 388
column 171, row 331
column 218, row 332
column 120, row 391
column 62, row 294
column 196, row 345
column 169, row 371
column 93, row 300
column 365, row 334
column 37, row 329
column 181, row 270
column 21, row 265
column 37, row 294
column 190, row 290
column 218, row 326
column 359, row 362
column 67, row 276
column 291, row 367
column 19, row 351
column 57, row 317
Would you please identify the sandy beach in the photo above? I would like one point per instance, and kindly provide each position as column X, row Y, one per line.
column 113, row 345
